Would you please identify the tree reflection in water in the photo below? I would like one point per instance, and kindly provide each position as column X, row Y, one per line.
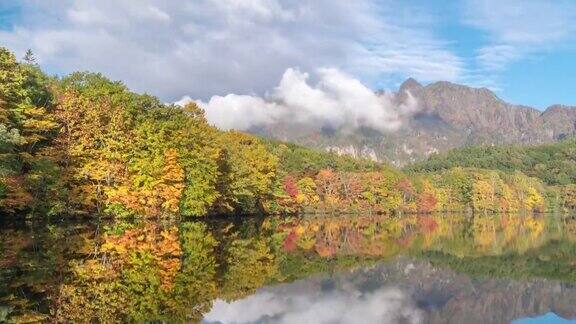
column 411, row 268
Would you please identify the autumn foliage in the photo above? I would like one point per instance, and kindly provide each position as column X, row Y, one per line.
column 85, row 145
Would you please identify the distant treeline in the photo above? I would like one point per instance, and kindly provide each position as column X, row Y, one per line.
column 555, row 163
column 85, row 145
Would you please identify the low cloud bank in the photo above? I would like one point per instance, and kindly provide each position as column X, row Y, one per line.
column 337, row 100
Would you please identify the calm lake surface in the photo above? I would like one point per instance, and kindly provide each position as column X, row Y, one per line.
column 338, row 269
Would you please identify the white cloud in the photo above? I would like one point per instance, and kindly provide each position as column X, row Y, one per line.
column 337, row 100
column 239, row 111
column 530, row 22
column 386, row 305
column 517, row 28
column 497, row 57
column 210, row 47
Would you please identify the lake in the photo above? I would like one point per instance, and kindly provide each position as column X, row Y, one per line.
column 445, row 268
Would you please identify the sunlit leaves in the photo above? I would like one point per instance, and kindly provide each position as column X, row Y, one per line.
column 26, row 127
column 247, row 173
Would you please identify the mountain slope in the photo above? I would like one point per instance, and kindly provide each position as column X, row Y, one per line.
column 447, row 116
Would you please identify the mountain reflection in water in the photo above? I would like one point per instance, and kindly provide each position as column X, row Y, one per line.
column 404, row 290
column 347, row 269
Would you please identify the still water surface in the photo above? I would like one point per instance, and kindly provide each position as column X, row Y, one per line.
column 344, row 269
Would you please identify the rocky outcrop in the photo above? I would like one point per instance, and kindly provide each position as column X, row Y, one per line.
column 480, row 111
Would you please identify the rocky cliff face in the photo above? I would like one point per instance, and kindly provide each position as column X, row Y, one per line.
column 447, row 116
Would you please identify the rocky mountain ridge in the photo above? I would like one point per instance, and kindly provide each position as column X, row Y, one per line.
column 447, row 116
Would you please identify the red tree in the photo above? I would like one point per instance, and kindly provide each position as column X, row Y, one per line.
column 290, row 186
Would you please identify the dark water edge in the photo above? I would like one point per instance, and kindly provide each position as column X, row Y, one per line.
column 454, row 259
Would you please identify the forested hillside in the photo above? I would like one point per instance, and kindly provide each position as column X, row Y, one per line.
column 554, row 163
column 85, row 145
column 296, row 158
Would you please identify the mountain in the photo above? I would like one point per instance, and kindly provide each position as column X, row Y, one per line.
column 447, row 116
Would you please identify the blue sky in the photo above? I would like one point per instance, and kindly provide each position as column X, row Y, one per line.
column 524, row 50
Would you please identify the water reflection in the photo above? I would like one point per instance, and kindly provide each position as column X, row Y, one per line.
column 306, row 302
column 404, row 290
column 411, row 269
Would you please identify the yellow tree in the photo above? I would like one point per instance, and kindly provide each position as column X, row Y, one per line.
column 328, row 186
column 569, row 194
column 307, row 195
column 172, row 181
column 483, row 195
column 247, row 172
column 25, row 128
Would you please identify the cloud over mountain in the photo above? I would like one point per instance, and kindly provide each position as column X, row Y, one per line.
column 337, row 100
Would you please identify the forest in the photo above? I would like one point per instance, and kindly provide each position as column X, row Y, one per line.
column 554, row 164
column 83, row 145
